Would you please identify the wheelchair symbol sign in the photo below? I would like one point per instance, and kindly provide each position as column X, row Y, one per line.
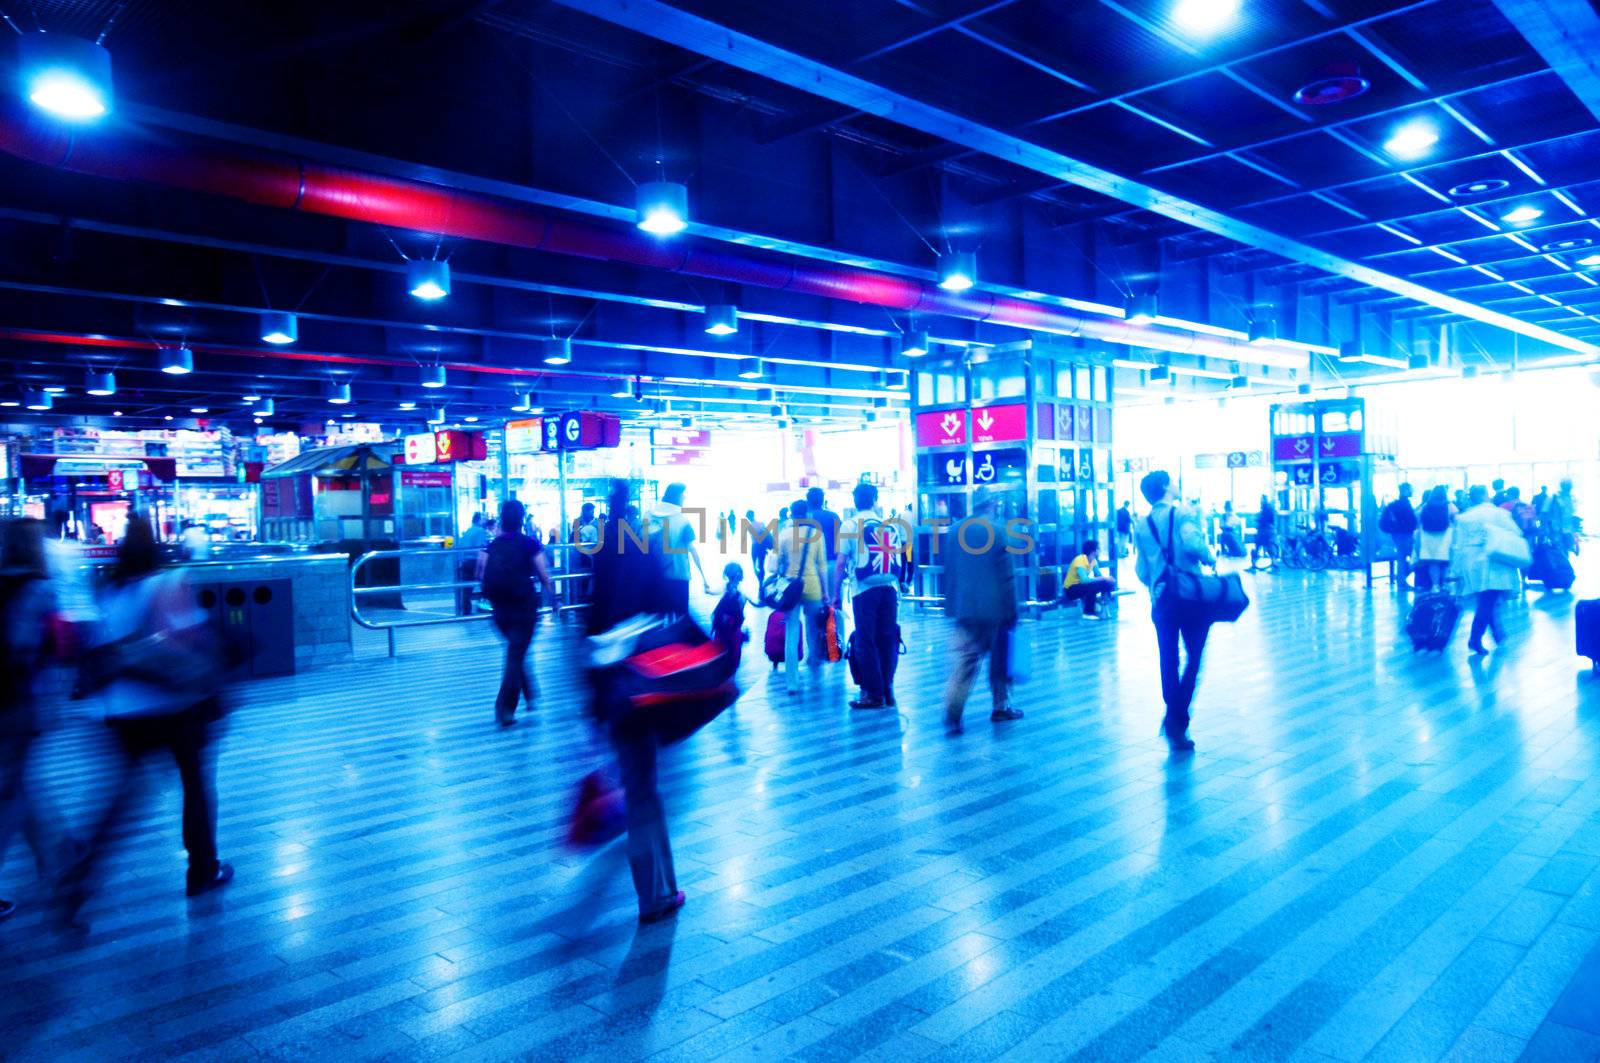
column 984, row 473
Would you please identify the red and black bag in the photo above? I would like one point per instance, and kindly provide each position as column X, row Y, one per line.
column 675, row 680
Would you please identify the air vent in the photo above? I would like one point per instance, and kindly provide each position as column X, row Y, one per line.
column 1334, row 83
column 1571, row 244
column 1479, row 188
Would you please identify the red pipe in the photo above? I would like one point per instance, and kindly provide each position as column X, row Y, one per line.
column 298, row 184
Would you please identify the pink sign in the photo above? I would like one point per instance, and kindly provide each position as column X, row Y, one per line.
column 999, row 424
column 1339, row 445
column 1291, row 448
column 419, row 478
column 943, row 429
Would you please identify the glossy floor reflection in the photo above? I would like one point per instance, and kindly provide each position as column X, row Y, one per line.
column 1373, row 855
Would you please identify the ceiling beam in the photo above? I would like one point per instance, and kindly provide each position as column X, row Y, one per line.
column 653, row 18
column 1567, row 34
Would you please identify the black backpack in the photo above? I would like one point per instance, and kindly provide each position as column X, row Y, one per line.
column 508, row 572
column 1435, row 517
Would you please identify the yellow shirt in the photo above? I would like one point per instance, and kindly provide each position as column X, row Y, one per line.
column 1080, row 569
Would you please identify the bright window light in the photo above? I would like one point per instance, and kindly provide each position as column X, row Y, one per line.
column 1204, row 16
column 1412, row 140
column 1522, row 215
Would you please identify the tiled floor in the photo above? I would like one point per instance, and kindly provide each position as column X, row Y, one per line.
column 1374, row 855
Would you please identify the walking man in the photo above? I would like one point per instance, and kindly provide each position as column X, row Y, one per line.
column 980, row 595
column 872, row 551
column 1169, row 539
column 511, row 564
column 1399, row 523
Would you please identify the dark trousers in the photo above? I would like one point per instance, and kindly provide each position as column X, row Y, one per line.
column 1178, row 680
column 185, row 735
column 974, row 641
column 515, row 678
column 16, row 811
column 649, row 849
column 677, row 595
column 1484, row 619
column 465, row 570
column 1091, row 592
column 877, row 640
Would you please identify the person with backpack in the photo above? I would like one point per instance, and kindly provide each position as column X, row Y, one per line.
column 1170, row 540
column 1399, row 522
column 872, row 553
column 1433, row 537
column 980, row 595
column 801, row 591
column 511, row 564
column 27, row 604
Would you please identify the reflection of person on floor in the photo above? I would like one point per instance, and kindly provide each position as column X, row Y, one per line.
column 1086, row 583
column 629, row 581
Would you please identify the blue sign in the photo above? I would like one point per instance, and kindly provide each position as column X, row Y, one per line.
column 1066, row 466
column 571, row 430
column 1301, row 475
column 552, row 433
column 954, row 467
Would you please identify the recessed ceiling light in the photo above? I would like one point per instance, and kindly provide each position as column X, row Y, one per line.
column 1204, row 16
column 167, row 417
column 1479, row 188
column 116, row 413
column 199, row 409
column 1522, row 215
column 1589, row 260
column 55, row 389
column 1412, row 140
column 470, row 418
column 408, row 405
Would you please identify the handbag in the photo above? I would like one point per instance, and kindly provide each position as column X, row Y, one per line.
column 1197, row 595
column 789, row 595
column 1508, row 549
column 664, row 675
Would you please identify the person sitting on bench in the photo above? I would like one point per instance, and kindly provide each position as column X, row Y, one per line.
column 1086, row 583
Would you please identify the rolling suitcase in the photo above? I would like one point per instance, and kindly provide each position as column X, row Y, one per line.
column 776, row 626
column 1551, row 568
column 1587, row 617
column 1433, row 621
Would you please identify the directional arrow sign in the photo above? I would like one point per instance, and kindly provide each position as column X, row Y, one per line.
column 1000, row 424
column 942, row 429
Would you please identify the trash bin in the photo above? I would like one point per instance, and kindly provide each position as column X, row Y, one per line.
column 255, row 619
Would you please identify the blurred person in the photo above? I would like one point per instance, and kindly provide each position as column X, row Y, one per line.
column 673, row 541
column 1460, row 501
column 475, row 538
column 980, row 595
column 1433, row 540
column 760, row 546
column 1522, row 514
column 1229, row 541
column 816, row 506
column 76, row 610
column 1561, row 519
column 799, row 557
column 1399, row 522
column 727, row 620
column 1124, row 529
column 1266, row 544
column 1086, row 582
column 872, row 556
column 511, row 564
column 1499, row 494
column 1540, row 501
column 585, row 542
column 1482, row 533
column 629, row 582
column 158, row 670
column 1170, row 538
column 195, row 540
column 26, row 607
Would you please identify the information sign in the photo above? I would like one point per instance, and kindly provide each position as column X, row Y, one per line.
column 999, row 424
column 946, row 428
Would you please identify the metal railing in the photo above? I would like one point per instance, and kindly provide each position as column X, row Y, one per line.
column 562, row 582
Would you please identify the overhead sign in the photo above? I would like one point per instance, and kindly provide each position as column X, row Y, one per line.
column 114, row 479
column 946, row 428
column 674, row 456
column 1236, row 459
column 1292, row 448
column 1210, row 461
column 1086, row 465
column 450, row 444
column 1339, row 445
column 1066, row 465
column 999, row 424
column 1338, row 473
column 1065, row 421
column 582, row 430
column 1300, row 475
column 682, row 440
column 525, row 436
column 552, row 433
column 421, row 449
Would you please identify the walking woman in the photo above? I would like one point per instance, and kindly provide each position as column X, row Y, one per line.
column 1170, row 539
column 1485, row 559
column 801, row 557
column 159, row 673
column 26, row 603
column 629, row 581
column 1434, row 533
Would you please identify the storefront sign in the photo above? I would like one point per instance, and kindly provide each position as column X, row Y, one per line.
column 999, row 424
column 1339, row 445
column 449, row 445
column 420, row 478
column 421, row 449
column 942, row 429
column 1291, row 448
column 114, row 480
column 525, row 436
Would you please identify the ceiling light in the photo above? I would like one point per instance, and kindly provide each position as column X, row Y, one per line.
column 1589, row 260
column 558, row 351
column 623, row 390
column 252, row 397
column 9, row 400
column 1350, row 351
column 751, row 369
column 70, row 77
column 722, row 319
column 914, row 344
column 167, row 417
column 765, row 394
column 55, row 389
column 408, row 405
column 114, row 413
column 279, row 328
column 470, row 418
column 437, row 416
column 662, row 208
column 958, row 270
column 1572, row 243
column 1140, row 308
column 100, row 382
column 523, row 402
column 1469, row 371
column 1204, row 16
column 433, row 376
column 1240, row 381
column 1412, row 140
column 36, row 399
column 1263, row 330
column 1302, row 389
column 879, row 402
column 199, row 409
column 428, row 279
column 783, row 423
column 869, row 415
column 774, row 411
column 265, row 408
column 1160, row 372
column 337, row 393
column 1479, row 188
column 1522, row 215
column 176, row 361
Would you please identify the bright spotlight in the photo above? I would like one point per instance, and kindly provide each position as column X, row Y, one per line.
column 279, row 328
column 662, row 208
column 1412, row 140
column 1522, row 215
column 958, row 271
column 69, row 77
column 1204, row 16
column 428, row 279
